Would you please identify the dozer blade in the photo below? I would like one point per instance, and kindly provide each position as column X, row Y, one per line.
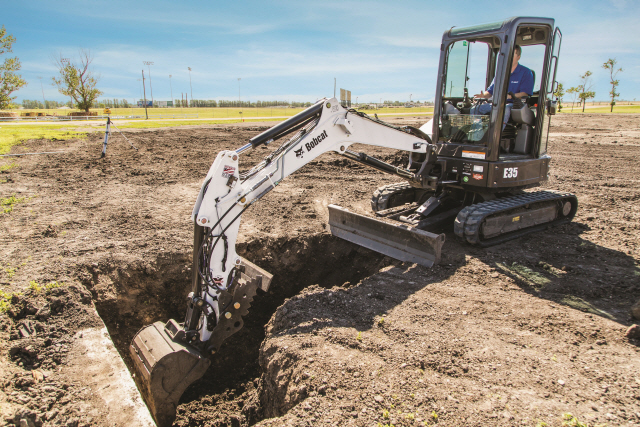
column 164, row 368
column 401, row 242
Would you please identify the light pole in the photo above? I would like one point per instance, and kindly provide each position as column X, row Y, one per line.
column 410, row 95
column 170, row 86
column 42, row 87
column 140, row 80
column 144, row 89
column 238, row 91
column 149, row 64
column 356, row 102
column 190, row 87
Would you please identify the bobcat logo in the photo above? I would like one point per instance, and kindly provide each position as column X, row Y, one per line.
column 218, row 281
column 299, row 153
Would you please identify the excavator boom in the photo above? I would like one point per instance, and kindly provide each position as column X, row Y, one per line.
column 168, row 357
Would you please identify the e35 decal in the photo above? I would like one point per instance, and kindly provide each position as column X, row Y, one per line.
column 510, row 172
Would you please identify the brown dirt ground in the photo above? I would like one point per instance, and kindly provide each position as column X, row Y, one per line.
column 516, row 334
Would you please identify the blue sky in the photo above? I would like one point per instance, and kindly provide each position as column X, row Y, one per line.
column 292, row 50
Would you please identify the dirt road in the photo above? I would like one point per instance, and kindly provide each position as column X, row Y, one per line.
column 517, row 334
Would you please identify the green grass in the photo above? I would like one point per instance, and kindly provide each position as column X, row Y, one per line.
column 36, row 287
column 146, row 124
column 7, row 204
column 582, row 305
column 222, row 113
column 622, row 109
column 16, row 134
column 524, row 273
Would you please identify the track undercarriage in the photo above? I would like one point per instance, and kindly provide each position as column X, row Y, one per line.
column 479, row 219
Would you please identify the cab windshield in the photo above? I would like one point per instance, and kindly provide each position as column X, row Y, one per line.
column 470, row 68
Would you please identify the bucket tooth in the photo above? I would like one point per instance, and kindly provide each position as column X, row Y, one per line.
column 164, row 367
column 401, row 242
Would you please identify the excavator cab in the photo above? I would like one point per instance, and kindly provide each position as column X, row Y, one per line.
column 474, row 59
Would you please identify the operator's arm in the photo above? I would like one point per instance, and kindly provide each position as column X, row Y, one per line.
column 485, row 94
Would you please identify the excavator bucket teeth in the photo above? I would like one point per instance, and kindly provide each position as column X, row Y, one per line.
column 164, row 368
column 397, row 241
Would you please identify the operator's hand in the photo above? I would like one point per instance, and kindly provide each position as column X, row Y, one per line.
column 508, row 96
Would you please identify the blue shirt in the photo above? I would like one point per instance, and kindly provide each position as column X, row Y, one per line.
column 521, row 80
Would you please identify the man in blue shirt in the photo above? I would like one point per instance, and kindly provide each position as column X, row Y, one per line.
column 520, row 84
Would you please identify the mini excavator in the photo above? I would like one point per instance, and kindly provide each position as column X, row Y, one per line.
column 463, row 168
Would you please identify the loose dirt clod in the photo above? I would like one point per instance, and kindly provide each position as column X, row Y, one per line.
column 345, row 336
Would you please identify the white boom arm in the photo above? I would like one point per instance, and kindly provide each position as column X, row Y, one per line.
column 225, row 194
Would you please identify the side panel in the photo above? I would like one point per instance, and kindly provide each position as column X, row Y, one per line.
column 516, row 173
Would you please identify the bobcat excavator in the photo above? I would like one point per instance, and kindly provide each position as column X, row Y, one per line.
column 463, row 168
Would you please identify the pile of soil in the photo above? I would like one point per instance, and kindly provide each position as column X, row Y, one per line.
column 41, row 325
column 519, row 333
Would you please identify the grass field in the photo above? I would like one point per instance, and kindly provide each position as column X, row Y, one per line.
column 218, row 113
column 13, row 135
column 622, row 109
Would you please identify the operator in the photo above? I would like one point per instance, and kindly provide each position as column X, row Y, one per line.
column 520, row 84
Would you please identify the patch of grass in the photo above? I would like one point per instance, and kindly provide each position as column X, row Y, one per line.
column 5, row 301
column 146, row 124
column 524, row 273
column 8, row 166
column 16, row 134
column 571, row 421
column 623, row 109
column 582, row 305
column 11, row 271
column 36, row 287
column 6, row 204
column 359, row 336
column 385, row 414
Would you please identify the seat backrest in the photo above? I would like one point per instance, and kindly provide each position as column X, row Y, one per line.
column 523, row 115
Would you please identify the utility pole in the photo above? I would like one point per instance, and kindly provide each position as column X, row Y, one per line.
column 140, row 80
column 410, row 95
column 189, row 68
column 145, row 96
column 149, row 64
column 238, row 91
column 42, row 87
column 171, row 89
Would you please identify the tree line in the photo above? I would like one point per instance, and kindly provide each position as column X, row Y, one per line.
column 584, row 92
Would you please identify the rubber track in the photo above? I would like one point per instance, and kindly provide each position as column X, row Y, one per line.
column 468, row 222
column 381, row 196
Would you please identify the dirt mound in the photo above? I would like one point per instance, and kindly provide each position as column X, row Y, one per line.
column 41, row 325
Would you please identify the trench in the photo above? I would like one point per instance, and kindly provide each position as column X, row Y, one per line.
column 226, row 394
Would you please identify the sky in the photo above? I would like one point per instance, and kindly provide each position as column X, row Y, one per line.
column 292, row 50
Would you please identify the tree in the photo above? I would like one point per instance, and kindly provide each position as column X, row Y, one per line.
column 574, row 91
column 9, row 80
column 77, row 81
column 611, row 65
column 586, row 86
column 559, row 93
